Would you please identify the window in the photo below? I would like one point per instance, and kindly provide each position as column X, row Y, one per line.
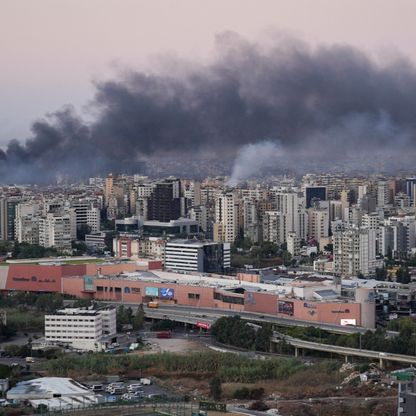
column 193, row 296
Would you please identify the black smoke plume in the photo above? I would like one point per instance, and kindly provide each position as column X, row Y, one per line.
column 324, row 103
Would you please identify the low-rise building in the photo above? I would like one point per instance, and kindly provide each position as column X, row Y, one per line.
column 81, row 328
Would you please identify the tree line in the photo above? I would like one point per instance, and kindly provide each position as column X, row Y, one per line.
column 232, row 330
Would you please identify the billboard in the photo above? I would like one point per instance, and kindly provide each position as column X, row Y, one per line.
column 202, row 325
column 166, row 293
column 348, row 322
column 152, row 291
column 88, row 283
column 285, row 307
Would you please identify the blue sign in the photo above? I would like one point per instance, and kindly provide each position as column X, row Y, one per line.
column 166, row 293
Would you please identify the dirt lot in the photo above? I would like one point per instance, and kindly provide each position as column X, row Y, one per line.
column 178, row 345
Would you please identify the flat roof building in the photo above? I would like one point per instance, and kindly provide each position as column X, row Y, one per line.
column 197, row 256
column 80, row 328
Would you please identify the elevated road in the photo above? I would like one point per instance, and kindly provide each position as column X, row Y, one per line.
column 345, row 351
column 192, row 315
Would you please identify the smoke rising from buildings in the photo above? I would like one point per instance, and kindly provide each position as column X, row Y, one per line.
column 324, row 103
column 253, row 159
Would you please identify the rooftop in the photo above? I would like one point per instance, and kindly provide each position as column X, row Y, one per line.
column 46, row 388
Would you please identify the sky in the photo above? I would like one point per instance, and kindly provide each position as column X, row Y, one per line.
column 51, row 52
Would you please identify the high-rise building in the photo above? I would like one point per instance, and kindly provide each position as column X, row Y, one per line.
column 293, row 244
column 55, row 231
column 250, row 220
column 274, row 227
column 317, row 193
column 199, row 213
column 7, row 218
column 383, row 193
column 354, row 251
column 165, row 204
column 410, row 187
column 226, row 214
column 291, row 204
column 86, row 214
column 318, row 223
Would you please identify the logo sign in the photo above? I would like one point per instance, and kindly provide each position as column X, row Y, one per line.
column 348, row 322
column 152, row 291
column 203, row 325
column 287, row 308
column 166, row 293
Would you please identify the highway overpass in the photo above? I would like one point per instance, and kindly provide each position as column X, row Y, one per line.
column 191, row 315
column 299, row 344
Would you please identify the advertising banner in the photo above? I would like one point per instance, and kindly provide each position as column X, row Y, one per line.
column 88, row 283
column 152, row 291
column 348, row 322
column 202, row 325
column 166, row 293
column 285, row 307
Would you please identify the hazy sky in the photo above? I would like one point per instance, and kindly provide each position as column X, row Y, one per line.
column 51, row 50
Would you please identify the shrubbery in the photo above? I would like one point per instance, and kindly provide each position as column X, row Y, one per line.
column 234, row 331
column 227, row 367
column 245, row 393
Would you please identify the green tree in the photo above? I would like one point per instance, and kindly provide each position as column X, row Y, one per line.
column 403, row 275
column 80, row 248
column 138, row 319
column 263, row 338
column 287, row 258
column 381, row 274
column 49, row 302
column 82, row 230
column 5, row 247
column 215, row 388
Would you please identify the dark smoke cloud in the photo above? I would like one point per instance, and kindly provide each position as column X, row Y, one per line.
column 326, row 103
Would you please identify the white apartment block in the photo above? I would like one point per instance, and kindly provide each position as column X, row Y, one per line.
column 226, row 213
column 383, row 194
column 354, row 251
column 26, row 222
column 55, row 231
column 27, row 229
column 94, row 219
column 318, row 223
column 250, row 220
column 82, row 329
column 291, row 204
column 293, row 244
column 274, row 227
column 199, row 214
column 86, row 213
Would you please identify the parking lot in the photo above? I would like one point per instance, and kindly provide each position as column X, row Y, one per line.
column 115, row 390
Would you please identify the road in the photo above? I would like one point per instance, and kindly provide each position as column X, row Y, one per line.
column 347, row 352
column 210, row 315
column 194, row 315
